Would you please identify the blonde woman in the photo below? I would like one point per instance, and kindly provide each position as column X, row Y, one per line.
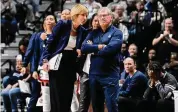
column 66, row 39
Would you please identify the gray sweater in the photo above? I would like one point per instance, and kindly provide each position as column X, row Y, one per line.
column 163, row 89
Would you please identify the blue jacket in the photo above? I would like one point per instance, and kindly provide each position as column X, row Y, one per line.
column 134, row 86
column 39, row 48
column 30, row 53
column 34, row 51
column 104, row 61
column 59, row 38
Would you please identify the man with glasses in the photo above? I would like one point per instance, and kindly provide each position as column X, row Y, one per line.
column 105, row 45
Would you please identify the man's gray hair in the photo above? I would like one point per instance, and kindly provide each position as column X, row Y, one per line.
column 105, row 9
column 119, row 6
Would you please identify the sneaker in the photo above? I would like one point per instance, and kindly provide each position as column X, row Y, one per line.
column 37, row 14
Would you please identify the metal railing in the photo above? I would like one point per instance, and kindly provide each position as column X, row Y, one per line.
column 11, row 66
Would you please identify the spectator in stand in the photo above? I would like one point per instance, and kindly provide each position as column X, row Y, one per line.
column 159, row 95
column 132, row 27
column 30, row 14
column 151, row 57
column 166, row 41
column 138, row 29
column 155, row 6
column 23, row 44
column 121, row 12
column 123, row 56
column 35, row 6
column 113, row 4
column 104, row 43
column 130, row 6
column 11, row 91
column 124, row 51
column 143, row 26
column 90, row 4
column 133, row 52
column 120, row 26
column 65, row 15
column 133, row 87
column 169, row 6
column 143, row 16
column 172, row 66
column 119, row 18
column 32, row 5
column 8, row 21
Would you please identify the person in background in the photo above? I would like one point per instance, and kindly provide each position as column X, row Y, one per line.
column 23, row 44
column 133, row 52
column 133, row 87
column 172, row 66
column 113, row 4
column 158, row 96
column 130, row 6
column 66, row 39
column 166, row 41
column 65, row 15
column 143, row 16
column 121, row 26
column 35, row 6
column 90, row 4
column 11, row 92
column 123, row 56
column 105, row 44
column 8, row 21
column 120, row 17
column 151, row 57
column 84, row 101
column 121, row 12
column 156, row 5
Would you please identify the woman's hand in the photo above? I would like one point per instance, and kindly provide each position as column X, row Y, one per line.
column 35, row 75
column 43, row 36
column 45, row 65
column 23, row 70
column 79, row 53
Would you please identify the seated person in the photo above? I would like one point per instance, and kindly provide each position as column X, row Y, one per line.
column 158, row 96
column 124, row 54
column 11, row 92
column 172, row 66
column 136, row 55
column 151, row 57
column 133, row 87
column 23, row 44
